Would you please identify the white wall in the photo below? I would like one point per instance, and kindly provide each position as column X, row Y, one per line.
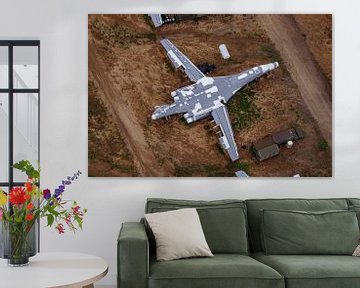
column 62, row 28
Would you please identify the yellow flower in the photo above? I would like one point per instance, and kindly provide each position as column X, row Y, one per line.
column 3, row 198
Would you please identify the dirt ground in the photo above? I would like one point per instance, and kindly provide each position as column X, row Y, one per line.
column 129, row 74
column 317, row 32
column 299, row 60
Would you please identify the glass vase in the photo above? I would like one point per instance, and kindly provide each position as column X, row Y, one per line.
column 18, row 242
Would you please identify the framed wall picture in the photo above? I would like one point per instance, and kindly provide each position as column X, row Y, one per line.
column 205, row 95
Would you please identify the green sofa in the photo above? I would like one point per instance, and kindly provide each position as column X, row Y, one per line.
column 235, row 234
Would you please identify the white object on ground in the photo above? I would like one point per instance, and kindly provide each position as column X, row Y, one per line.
column 224, row 51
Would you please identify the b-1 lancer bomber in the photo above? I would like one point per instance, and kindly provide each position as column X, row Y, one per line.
column 207, row 95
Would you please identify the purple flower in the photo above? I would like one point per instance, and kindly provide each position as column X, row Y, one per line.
column 46, row 194
column 68, row 181
column 58, row 192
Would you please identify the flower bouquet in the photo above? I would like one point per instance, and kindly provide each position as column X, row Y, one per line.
column 21, row 208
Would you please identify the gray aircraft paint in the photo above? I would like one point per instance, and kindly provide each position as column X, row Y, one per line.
column 156, row 19
column 207, row 95
column 241, row 173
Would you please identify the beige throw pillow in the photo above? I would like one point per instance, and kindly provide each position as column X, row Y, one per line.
column 178, row 234
column 357, row 251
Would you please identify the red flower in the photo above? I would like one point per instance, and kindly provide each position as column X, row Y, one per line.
column 29, row 206
column 60, row 228
column 75, row 209
column 68, row 219
column 29, row 186
column 29, row 217
column 27, row 196
column 17, row 196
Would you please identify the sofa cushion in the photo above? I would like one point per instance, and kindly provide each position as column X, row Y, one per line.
column 255, row 206
column 354, row 205
column 353, row 201
column 297, row 232
column 178, row 234
column 313, row 271
column 356, row 209
column 222, row 270
column 223, row 221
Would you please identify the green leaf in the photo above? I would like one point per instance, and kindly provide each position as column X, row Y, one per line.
column 52, row 211
column 26, row 167
column 50, row 219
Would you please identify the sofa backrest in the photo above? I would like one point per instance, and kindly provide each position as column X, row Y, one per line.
column 223, row 221
column 255, row 206
column 354, row 205
column 353, row 202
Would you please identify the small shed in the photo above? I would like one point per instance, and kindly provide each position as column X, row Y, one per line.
column 269, row 146
column 265, row 149
column 291, row 134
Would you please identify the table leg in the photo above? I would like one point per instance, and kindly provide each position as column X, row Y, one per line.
column 89, row 286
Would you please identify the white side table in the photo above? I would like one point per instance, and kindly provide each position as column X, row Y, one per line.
column 50, row 270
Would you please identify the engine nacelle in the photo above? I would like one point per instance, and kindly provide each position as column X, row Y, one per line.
column 188, row 118
column 201, row 116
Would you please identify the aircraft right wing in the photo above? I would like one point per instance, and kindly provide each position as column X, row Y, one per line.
column 227, row 140
column 180, row 60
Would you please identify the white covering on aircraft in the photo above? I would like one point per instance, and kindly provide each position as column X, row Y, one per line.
column 207, row 95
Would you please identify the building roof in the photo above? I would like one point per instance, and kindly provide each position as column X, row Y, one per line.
column 263, row 143
column 267, row 152
column 286, row 135
column 269, row 146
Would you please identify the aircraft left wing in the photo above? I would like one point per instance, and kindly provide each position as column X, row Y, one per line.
column 180, row 60
column 227, row 140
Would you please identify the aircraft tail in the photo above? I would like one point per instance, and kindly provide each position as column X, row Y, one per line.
column 268, row 67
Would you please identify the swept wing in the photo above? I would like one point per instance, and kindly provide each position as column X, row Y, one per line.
column 179, row 60
column 227, row 140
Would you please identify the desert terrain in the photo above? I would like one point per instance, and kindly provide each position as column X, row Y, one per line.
column 130, row 74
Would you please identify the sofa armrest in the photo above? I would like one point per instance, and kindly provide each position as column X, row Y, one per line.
column 133, row 256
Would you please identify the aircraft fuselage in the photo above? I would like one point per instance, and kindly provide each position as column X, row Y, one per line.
column 197, row 100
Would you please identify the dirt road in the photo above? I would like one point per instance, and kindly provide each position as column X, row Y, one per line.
column 312, row 84
column 126, row 121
